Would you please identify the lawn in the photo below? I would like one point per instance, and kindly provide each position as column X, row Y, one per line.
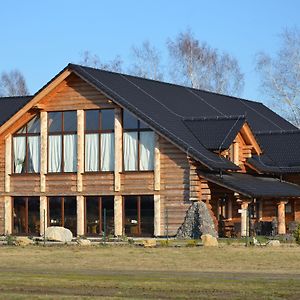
column 128, row 272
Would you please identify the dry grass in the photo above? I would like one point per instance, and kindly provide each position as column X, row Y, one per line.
column 137, row 273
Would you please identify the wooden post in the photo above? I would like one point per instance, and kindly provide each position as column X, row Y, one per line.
column 80, row 215
column 118, row 149
column 8, row 160
column 229, row 209
column 281, row 217
column 44, row 150
column 118, row 213
column 157, row 215
column 156, row 164
column 244, row 218
column 236, row 158
column 80, row 148
column 8, row 214
column 260, row 210
column 43, row 214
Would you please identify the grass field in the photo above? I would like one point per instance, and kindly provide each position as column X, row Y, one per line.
column 126, row 272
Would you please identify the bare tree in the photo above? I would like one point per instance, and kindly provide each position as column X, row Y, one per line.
column 92, row 60
column 12, row 84
column 146, row 62
column 280, row 75
column 198, row 65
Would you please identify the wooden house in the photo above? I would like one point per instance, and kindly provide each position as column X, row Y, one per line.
column 95, row 150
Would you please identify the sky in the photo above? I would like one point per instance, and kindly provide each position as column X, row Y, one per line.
column 41, row 37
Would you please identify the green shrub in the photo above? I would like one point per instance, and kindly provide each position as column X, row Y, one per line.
column 191, row 243
column 165, row 243
column 10, row 240
column 296, row 234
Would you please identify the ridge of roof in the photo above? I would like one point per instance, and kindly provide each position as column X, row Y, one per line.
column 15, row 97
column 215, row 118
column 295, row 131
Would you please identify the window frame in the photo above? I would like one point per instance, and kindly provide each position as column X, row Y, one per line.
column 139, row 129
column 97, row 131
column 26, row 135
column 61, row 133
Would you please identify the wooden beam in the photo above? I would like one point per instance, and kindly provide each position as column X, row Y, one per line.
column 80, row 149
column 156, row 164
column 8, row 214
column 118, row 149
column 157, row 215
column 236, row 153
column 80, row 215
column 281, row 217
column 118, row 215
column 44, row 150
column 250, row 138
column 8, row 162
column 43, row 214
column 35, row 99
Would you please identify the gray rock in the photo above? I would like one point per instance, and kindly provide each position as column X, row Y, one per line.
column 60, row 234
column 273, row 243
column 84, row 242
column 197, row 222
column 209, row 241
column 23, row 241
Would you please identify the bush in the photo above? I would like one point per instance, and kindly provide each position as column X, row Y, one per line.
column 191, row 243
column 296, row 234
column 10, row 240
column 165, row 243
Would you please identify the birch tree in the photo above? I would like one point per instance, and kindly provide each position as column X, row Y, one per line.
column 12, row 84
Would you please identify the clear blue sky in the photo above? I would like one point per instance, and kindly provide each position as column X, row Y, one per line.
column 42, row 37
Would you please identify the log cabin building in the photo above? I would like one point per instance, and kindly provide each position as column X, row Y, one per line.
column 93, row 143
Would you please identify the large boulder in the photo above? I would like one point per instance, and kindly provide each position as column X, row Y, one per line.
column 23, row 241
column 209, row 241
column 197, row 222
column 60, row 234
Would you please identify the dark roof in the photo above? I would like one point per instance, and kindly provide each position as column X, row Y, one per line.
column 215, row 133
column 254, row 186
column 165, row 107
column 10, row 105
column 280, row 152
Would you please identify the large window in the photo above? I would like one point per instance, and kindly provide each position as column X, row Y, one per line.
column 138, row 215
column 63, row 212
column 138, row 144
column 26, row 148
column 62, row 143
column 99, row 140
column 99, row 213
column 26, row 215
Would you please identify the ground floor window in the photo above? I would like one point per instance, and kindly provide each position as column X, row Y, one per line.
column 138, row 215
column 26, row 215
column 99, row 215
column 62, row 211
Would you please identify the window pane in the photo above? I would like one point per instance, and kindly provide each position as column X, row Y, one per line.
column 107, row 151
column 129, row 121
column 92, row 120
column 92, row 215
column 54, row 153
column 143, row 125
column 55, row 211
column 33, row 154
column 147, row 150
column 107, row 119
column 70, row 153
column 55, row 121
column 108, row 209
column 70, row 121
column 33, row 215
column 147, row 215
column 19, row 145
column 131, row 216
column 19, row 214
column 34, row 125
column 91, row 159
column 70, row 212
column 130, row 144
column 22, row 130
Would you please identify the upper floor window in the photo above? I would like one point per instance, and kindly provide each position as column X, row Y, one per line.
column 26, row 148
column 138, row 144
column 62, row 141
column 99, row 140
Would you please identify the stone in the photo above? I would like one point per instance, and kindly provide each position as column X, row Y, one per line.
column 149, row 243
column 209, row 240
column 273, row 243
column 84, row 242
column 23, row 241
column 60, row 234
column 197, row 222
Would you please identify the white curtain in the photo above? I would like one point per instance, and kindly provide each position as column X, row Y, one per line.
column 147, row 150
column 92, row 152
column 107, row 151
column 70, row 153
column 130, row 144
column 34, row 154
column 19, row 153
column 54, row 163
